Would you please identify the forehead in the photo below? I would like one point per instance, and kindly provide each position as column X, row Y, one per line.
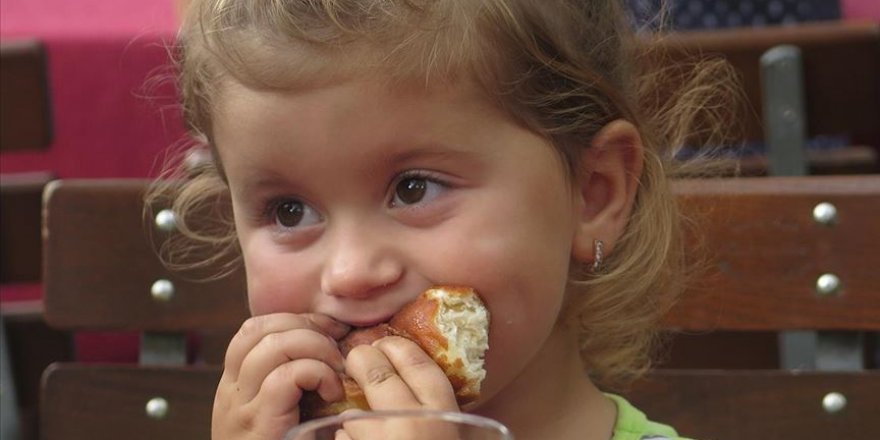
column 342, row 104
column 362, row 132
column 354, row 120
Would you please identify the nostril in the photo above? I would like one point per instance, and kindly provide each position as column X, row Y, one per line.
column 361, row 283
column 360, row 265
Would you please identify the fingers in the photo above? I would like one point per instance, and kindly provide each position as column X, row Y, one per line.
column 282, row 389
column 396, row 374
column 277, row 348
column 270, row 362
column 341, row 435
column 255, row 329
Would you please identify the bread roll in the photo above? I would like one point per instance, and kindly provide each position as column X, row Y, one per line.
column 450, row 324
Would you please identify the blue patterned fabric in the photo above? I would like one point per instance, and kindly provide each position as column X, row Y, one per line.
column 709, row 14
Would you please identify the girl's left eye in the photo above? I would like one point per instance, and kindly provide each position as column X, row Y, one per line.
column 416, row 189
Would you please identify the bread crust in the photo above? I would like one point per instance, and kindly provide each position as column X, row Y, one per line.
column 416, row 322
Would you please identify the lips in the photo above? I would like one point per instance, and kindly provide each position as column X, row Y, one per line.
column 363, row 316
column 367, row 322
column 367, row 313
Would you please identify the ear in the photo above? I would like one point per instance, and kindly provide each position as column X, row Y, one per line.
column 606, row 185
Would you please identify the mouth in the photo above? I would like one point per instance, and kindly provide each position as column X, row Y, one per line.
column 365, row 314
column 369, row 322
column 366, row 319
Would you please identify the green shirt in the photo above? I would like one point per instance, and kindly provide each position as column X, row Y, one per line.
column 632, row 424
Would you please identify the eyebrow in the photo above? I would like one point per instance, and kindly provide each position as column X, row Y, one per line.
column 431, row 151
column 270, row 179
column 263, row 180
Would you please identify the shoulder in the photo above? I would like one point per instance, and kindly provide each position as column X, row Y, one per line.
column 632, row 424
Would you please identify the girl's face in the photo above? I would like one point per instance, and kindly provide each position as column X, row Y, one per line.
column 351, row 199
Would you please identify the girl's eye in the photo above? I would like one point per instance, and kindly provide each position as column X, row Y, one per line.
column 293, row 213
column 413, row 190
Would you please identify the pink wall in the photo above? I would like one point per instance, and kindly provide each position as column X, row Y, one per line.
column 86, row 17
column 861, row 9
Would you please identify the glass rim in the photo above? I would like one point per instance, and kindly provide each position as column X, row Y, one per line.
column 441, row 415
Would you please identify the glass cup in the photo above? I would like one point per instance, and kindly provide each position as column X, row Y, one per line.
column 401, row 425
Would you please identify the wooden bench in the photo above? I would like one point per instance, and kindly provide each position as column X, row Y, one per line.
column 25, row 116
column 27, row 345
column 101, row 273
column 762, row 404
column 770, row 250
column 816, row 81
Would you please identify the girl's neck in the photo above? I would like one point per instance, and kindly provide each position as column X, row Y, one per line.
column 554, row 398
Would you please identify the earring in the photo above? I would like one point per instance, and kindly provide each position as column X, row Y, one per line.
column 598, row 255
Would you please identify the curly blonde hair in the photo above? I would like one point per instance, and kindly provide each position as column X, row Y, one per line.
column 563, row 68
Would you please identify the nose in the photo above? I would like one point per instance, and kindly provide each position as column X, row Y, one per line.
column 360, row 265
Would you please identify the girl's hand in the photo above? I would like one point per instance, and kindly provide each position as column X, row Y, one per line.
column 269, row 363
column 396, row 374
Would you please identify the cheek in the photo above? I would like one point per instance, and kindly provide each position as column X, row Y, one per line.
column 518, row 259
column 272, row 285
column 522, row 263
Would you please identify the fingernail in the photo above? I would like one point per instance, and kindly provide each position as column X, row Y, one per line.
column 382, row 340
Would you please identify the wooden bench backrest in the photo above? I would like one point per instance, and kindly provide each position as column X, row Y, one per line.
column 765, row 404
column 100, row 266
column 109, row 402
column 765, row 248
column 25, row 116
column 20, row 211
column 100, row 263
column 767, row 252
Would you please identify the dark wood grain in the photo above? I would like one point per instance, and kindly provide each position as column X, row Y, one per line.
column 727, row 350
column 20, row 219
column 766, row 252
column 32, row 347
column 98, row 402
column 101, row 262
column 25, row 118
column 706, row 404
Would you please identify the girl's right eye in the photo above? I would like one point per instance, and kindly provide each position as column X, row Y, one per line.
column 292, row 213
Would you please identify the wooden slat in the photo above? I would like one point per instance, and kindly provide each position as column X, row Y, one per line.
column 841, row 63
column 20, row 220
column 32, row 347
column 776, row 405
column 721, row 350
column 25, row 120
column 767, row 250
column 767, row 253
column 99, row 402
column 99, row 266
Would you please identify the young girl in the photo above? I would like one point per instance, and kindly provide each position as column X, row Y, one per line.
column 371, row 149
